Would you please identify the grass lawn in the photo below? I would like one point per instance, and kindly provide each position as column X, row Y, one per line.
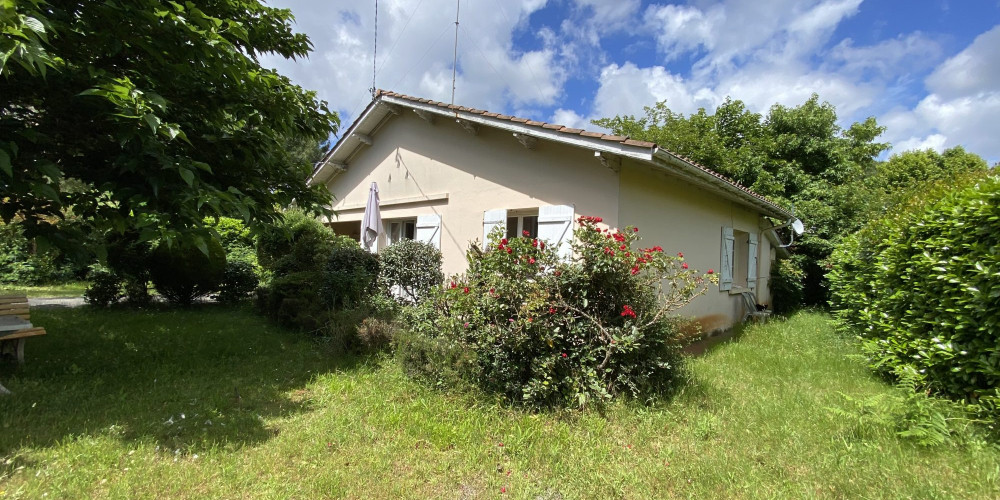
column 71, row 289
column 213, row 402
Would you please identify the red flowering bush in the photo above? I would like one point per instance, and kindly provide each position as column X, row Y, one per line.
column 549, row 333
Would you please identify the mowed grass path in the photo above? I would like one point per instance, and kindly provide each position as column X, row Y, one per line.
column 214, row 402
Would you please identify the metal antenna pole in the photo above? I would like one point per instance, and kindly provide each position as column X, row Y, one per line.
column 374, row 51
column 454, row 64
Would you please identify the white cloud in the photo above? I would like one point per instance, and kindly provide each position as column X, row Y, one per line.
column 627, row 88
column 975, row 69
column 415, row 51
column 570, row 118
column 963, row 105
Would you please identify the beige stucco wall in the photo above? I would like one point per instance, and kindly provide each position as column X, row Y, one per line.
column 491, row 170
column 683, row 218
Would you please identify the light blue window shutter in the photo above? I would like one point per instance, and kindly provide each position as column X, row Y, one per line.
column 752, row 263
column 492, row 219
column 555, row 228
column 428, row 230
column 726, row 269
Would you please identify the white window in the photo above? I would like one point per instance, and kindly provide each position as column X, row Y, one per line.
column 398, row 230
column 550, row 223
column 522, row 223
column 738, row 268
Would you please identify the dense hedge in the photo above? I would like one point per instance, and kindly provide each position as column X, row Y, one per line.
column 183, row 272
column 409, row 269
column 541, row 332
column 921, row 287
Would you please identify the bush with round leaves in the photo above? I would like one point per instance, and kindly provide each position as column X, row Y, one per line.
column 105, row 288
column 238, row 281
column 408, row 270
column 349, row 275
column 921, row 287
column 542, row 332
column 788, row 284
column 185, row 271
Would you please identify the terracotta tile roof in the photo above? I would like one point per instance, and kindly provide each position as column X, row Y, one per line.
column 624, row 140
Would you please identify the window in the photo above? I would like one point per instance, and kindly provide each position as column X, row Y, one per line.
column 739, row 260
column 518, row 224
column 741, row 257
column 399, row 230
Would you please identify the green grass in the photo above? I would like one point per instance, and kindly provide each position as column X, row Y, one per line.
column 71, row 289
column 144, row 404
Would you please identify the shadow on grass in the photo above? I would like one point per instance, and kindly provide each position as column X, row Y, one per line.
column 189, row 380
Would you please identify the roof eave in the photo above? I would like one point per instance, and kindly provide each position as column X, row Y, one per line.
column 707, row 180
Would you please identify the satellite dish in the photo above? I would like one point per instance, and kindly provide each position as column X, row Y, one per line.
column 798, row 227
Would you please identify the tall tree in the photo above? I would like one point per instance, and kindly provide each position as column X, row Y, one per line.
column 159, row 113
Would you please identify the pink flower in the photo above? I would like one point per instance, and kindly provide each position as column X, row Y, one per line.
column 684, row 265
column 531, row 260
column 710, row 271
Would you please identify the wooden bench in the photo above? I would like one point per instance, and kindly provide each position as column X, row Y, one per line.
column 15, row 325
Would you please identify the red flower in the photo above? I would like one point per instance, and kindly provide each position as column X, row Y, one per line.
column 465, row 290
column 564, row 355
column 541, row 244
column 681, row 255
column 503, row 489
column 534, row 242
column 635, row 270
column 530, row 320
column 635, row 230
column 621, row 247
column 493, row 291
column 503, row 241
column 552, row 310
column 558, row 273
column 710, row 271
column 509, row 250
column 684, row 265
column 531, row 260
column 627, row 311
column 453, row 285
column 525, row 233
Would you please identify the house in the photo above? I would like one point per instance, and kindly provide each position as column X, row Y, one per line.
column 449, row 174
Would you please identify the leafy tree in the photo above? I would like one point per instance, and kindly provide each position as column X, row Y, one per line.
column 158, row 114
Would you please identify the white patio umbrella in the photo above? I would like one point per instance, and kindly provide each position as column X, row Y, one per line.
column 371, row 223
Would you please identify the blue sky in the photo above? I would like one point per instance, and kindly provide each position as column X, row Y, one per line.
column 928, row 70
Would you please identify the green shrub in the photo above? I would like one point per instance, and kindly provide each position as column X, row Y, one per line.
column 548, row 333
column 349, row 274
column 921, row 287
column 787, row 284
column 105, row 288
column 183, row 272
column 408, row 269
column 129, row 259
column 298, row 243
column 21, row 265
column 238, row 281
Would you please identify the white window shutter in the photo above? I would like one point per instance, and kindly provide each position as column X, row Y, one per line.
column 726, row 270
column 555, row 228
column 752, row 263
column 492, row 219
column 428, row 230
